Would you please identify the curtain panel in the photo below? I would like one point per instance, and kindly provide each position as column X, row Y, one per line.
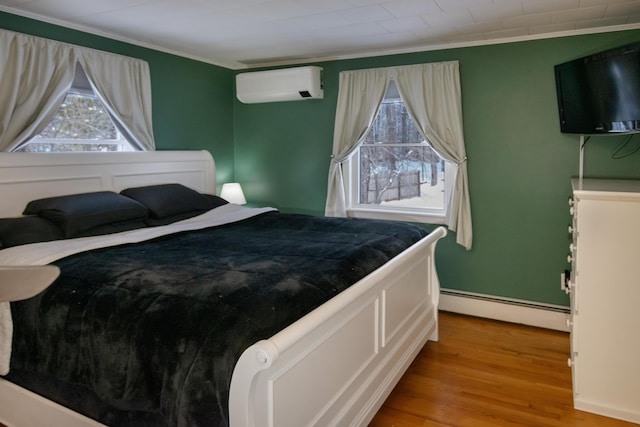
column 359, row 98
column 127, row 97
column 432, row 95
column 36, row 73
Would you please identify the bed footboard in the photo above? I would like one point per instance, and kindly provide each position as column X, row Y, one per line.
column 337, row 365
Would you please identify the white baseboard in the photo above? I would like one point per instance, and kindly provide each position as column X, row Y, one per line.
column 509, row 310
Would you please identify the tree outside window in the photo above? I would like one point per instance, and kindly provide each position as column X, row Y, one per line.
column 397, row 167
column 81, row 123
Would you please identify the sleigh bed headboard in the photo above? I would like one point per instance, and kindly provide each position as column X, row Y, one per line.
column 28, row 176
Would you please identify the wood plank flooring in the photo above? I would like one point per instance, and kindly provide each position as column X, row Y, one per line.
column 488, row 373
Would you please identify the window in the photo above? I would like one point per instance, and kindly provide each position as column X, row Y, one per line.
column 394, row 173
column 433, row 95
column 82, row 123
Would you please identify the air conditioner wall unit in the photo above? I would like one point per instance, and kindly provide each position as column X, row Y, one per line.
column 288, row 84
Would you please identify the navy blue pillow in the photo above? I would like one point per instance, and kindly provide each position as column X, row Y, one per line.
column 169, row 200
column 77, row 213
column 27, row 229
column 215, row 200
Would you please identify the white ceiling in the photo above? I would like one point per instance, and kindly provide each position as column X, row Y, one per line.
column 246, row 33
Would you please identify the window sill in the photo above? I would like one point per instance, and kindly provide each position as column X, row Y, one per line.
column 397, row 215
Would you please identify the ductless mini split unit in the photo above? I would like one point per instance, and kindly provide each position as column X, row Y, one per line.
column 288, row 84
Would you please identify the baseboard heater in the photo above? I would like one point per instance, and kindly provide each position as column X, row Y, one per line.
column 531, row 313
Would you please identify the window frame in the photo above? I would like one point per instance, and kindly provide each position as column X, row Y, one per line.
column 123, row 144
column 82, row 87
column 355, row 209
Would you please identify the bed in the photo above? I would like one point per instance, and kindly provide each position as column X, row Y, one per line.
column 334, row 365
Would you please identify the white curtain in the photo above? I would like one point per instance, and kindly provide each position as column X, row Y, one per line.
column 432, row 96
column 123, row 84
column 35, row 75
column 359, row 97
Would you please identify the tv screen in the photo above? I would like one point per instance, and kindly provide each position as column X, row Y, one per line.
column 600, row 93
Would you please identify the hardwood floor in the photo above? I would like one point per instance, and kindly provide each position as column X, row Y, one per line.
column 488, row 373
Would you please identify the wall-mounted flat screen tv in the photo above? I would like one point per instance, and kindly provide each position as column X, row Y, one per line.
column 600, row 93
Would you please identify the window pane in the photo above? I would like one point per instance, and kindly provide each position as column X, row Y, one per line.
column 401, row 176
column 397, row 167
column 393, row 124
column 81, row 117
column 54, row 147
column 82, row 123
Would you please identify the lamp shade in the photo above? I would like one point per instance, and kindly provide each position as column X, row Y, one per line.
column 232, row 193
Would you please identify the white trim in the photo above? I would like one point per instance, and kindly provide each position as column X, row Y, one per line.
column 541, row 315
column 397, row 214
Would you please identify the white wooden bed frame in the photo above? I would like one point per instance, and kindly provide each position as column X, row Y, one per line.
column 336, row 366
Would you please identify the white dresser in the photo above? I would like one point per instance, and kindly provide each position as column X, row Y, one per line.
column 605, row 297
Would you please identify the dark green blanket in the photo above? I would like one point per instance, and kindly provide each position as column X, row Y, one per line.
column 148, row 334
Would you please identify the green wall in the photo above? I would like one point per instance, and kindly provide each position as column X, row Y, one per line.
column 520, row 165
column 192, row 106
